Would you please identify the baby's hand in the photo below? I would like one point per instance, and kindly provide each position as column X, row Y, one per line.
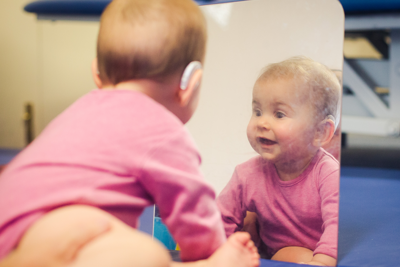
column 250, row 225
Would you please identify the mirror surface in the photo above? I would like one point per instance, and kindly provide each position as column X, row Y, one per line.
column 244, row 37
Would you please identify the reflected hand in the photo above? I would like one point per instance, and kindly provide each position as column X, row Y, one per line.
column 251, row 226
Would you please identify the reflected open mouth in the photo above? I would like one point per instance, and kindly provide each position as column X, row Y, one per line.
column 266, row 141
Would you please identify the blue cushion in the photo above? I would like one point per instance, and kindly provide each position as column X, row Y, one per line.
column 370, row 6
column 83, row 7
column 96, row 7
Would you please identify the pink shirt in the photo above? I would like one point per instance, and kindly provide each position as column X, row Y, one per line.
column 120, row 151
column 301, row 212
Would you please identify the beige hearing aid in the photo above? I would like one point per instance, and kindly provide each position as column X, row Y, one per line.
column 190, row 69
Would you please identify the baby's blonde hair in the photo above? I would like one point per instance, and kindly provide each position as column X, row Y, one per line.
column 323, row 84
column 149, row 39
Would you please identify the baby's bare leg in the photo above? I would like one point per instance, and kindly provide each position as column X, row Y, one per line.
column 128, row 247
column 131, row 248
column 123, row 246
column 293, row 254
column 120, row 246
column 59, row 245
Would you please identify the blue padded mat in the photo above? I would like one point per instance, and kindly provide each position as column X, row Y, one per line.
column 7, row 154
column 67, row 7
column 83, row 7
column 95, row 7
column 370, row 6
column 369, row 218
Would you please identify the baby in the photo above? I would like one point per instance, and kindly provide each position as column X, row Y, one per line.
column 124, row 147
column 292, row 186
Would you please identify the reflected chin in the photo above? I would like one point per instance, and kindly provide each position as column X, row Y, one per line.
column 268, row 156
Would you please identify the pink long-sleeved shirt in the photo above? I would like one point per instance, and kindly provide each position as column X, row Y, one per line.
column 301, row 212
column 119, row 151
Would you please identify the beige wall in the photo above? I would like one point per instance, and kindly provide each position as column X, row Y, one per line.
column 46, row 63
column 18, row 69
column 66, row 51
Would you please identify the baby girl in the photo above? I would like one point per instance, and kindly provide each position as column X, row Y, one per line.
column 289, row 192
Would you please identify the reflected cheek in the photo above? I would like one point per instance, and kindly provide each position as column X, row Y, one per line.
column 285, row 137
column 251, row 134
column 291, row 140
column 282, row 131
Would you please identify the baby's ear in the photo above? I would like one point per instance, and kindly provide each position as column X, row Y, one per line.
column 96, row 74
column 190, row 83
column 325, row 131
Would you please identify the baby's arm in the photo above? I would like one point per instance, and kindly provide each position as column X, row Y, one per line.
column 326, row 251
column 231, row 205
column 171, row 176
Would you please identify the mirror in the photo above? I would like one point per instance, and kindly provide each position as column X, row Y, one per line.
column 244, row 37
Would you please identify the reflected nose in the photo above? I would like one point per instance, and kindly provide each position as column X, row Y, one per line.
column 264, row 124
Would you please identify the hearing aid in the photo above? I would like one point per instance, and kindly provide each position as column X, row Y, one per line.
column 330, row 117
column 338, row 109
column 188, row 73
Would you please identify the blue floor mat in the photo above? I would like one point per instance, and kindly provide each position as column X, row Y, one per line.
column 6, row 155
column 369, row 217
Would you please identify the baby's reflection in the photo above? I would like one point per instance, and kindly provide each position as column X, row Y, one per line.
column 290, row 191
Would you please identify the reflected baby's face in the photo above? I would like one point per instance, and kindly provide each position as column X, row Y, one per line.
column 282, row 125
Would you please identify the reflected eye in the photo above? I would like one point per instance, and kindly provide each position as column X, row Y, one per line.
column 280, row 115
column 257, row 112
